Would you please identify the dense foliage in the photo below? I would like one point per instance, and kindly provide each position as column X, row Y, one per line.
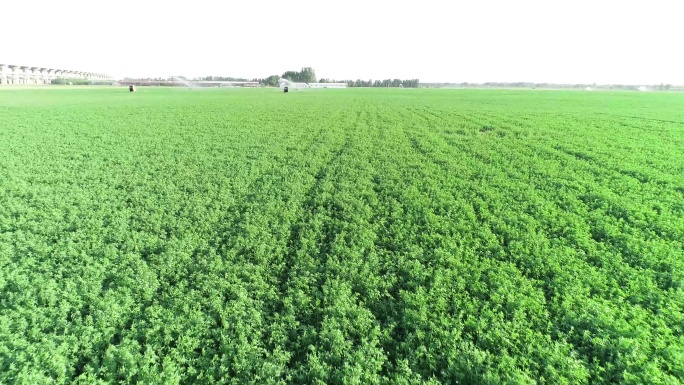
column 306, row 75
column 341, row 236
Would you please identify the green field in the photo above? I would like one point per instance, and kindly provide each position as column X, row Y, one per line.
column 341, row 236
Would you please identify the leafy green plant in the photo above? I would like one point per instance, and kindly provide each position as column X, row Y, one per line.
column 340, row 236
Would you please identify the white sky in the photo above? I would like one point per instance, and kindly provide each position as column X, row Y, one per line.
column 568, row 41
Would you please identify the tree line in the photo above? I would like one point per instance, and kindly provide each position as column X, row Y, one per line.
column 593, row 86
column 308, row 75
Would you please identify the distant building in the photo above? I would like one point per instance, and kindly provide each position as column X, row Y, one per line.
column 327, row 85
column 295, row 86
column 228, row 84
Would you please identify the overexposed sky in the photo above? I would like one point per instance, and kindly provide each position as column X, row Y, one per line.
column 564, row 41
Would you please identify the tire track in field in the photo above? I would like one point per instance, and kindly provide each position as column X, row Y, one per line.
column 256, row 238
column 219, row 256
column 325, row 288
column 421, row 260
column 404, row 263
column 195, row 281
column 440, row 253
column 273, row 203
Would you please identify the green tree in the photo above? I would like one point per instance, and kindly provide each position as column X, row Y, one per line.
column 306, row 75
column 271, row 80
